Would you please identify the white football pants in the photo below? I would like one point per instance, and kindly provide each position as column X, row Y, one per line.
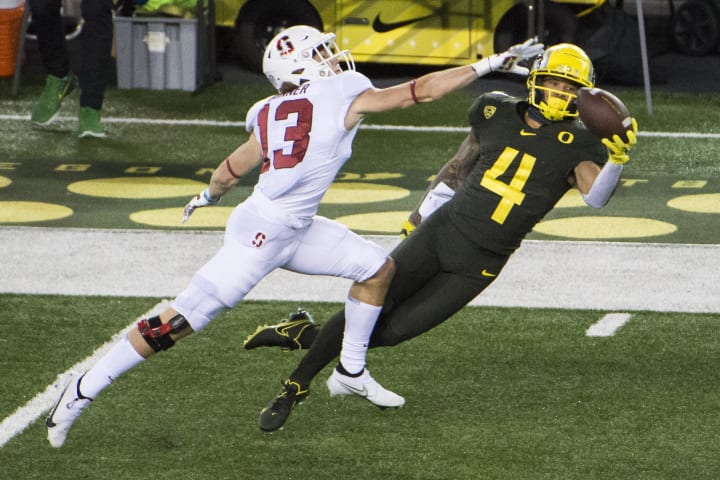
column 259, row 237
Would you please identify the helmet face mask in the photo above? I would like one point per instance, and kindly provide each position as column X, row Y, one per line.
column 564, row 62
column 302, row 53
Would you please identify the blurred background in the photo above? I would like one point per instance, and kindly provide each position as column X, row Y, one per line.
column 391, row 38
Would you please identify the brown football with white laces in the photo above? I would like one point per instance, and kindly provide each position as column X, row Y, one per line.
column 603, row 113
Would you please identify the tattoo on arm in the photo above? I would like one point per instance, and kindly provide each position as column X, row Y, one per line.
column 453, row 173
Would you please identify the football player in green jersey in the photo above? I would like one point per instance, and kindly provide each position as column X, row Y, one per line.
column 520, row 157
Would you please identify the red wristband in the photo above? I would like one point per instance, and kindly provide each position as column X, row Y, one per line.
column 412, row 91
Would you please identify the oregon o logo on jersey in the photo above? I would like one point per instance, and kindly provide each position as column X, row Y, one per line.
column 565, row 137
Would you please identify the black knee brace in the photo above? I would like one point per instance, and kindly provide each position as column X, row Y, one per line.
column 157, row 334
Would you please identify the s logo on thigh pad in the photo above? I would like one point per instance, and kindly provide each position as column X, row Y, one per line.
column 259, row 240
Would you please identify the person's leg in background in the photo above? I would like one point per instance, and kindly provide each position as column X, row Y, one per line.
column 52, row 46
column 96, row 47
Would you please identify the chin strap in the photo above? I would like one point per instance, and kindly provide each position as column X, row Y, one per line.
column 535, row 114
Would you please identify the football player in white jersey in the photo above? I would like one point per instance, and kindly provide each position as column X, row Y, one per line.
column 302, row 136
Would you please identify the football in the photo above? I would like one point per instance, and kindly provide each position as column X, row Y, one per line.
column 603, row 113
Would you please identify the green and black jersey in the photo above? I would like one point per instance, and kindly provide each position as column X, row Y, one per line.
column 521, row 172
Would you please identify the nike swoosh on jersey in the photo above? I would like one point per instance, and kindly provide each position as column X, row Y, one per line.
column 485, row 273
column 524, row 133
column 382, row 27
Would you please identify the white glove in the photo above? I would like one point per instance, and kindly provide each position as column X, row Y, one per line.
column 202, row 199
column 508, row 60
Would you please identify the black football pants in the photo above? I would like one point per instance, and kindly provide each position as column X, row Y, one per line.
column 95, row 45
column 439, row 271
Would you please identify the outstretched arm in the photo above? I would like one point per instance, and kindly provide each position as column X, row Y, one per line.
column 597, row 184
column 435, row 85
column 226, row 175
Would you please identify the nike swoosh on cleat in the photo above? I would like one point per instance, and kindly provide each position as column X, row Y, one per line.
column 362, row 392
column 49, row 419
column 382, row 27
column 286, row 328
column 485, row 273
column 523, row 133
column 66, row 91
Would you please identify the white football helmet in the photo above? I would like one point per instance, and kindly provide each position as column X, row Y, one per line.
column 302, row 53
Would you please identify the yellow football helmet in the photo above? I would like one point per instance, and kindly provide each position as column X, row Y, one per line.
column 565, row 61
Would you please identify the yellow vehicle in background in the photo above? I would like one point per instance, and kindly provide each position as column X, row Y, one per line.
column 425, row 32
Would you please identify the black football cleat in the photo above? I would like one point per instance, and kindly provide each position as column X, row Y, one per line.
column 290, row 334
column 274, row 416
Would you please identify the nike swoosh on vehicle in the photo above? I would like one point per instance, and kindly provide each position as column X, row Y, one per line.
column 523, row 133
column 382, row 27
column 485, row 273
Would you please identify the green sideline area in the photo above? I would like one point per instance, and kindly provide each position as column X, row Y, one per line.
column 141, row 176
column 492, row 393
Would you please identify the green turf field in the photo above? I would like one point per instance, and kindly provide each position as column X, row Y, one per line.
column 496, row 393
column 493, row 393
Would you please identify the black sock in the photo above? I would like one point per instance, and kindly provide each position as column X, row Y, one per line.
column 342, row 370
column 325, row 348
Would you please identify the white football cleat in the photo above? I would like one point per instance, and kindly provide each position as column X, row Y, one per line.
column 364, row 386
column 68, row 407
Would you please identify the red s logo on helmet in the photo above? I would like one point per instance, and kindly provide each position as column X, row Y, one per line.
column 284, row 46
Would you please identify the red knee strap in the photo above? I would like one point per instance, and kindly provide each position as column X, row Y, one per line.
column 157, row 334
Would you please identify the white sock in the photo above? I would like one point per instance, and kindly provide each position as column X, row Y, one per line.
column 360, row 319
column 121, row 358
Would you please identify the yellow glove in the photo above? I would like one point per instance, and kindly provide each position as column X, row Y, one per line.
column 618, row 148
column 406, row 229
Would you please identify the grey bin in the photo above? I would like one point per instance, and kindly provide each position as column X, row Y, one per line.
column 163, row 53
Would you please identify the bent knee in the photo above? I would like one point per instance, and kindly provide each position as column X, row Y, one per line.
column 385, row 274
column 387, row 337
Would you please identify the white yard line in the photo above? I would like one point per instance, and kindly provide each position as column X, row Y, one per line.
column 608, row 325
column 24, row 416
column 403, row 128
